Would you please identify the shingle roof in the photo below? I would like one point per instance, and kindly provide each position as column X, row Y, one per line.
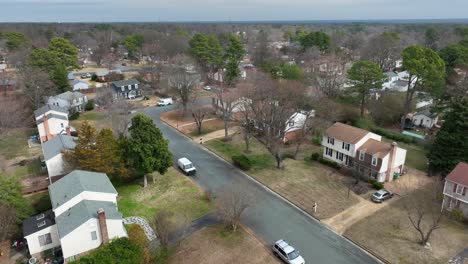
column 346, row 133
column 56, row 145
column 78, row 81
column 50, row 116
column 77, row 182
column 69, row 96
column 376, row 148
column 426, row 113
column 125, row 82
column 82, row 212
column 46, row 108
column 459, row 175
column 391, row 74
column 401, row 83
column 31, row 224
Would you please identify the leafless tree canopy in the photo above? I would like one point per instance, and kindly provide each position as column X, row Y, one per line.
column 232, row 202
column 7, row 221
column 226, row 100
column 35, row 85
column 182, row 84
column 121, row 117
column 14, row 113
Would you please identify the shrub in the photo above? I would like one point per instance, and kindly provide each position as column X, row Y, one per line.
column 242, row 162
column 94, row 78
column 74, row 116
column 457, row 214
column 315, row 156
column 364, row 123
column 89, row 105
column 329, row 163
column 377, row 185
column 317, row 140
column 392, row 135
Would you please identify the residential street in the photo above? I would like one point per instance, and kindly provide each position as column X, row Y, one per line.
column 271, row 218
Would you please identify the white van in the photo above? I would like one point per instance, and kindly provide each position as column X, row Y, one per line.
column 187, row 166
column 164, row 101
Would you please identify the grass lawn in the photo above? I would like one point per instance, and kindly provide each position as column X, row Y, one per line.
column 389, row 233
column 15, row 143
column 415, row 156
column 172, row 191
column 303, row 183
column 207, row 127
column 99, row 120
column 214, row 245
column 40, row 202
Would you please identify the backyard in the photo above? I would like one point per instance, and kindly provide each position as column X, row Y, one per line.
column 97, row 119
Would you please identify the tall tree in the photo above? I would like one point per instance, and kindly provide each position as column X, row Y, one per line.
column 148, row 150
column 232, row 57
column 261, row 53
column 208, row 53
column 426, row 73
column 383, row 49
column 133, row 43
column 10, row 195
column 66, row 53
column 14, row 40
column 182, row 84
column 364, row 76
column 318, row 39
column 451, row 143
column 431, row 38
column 35, row 85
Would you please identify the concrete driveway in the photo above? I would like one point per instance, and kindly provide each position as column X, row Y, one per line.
column 271, row 218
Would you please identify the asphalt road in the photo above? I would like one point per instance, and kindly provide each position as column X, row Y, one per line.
column 270, row 218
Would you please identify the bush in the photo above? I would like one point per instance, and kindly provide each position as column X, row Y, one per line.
column 74, row 116
column 89, row 105
column 392, row 135
column 457, row 215
column 329, row 163
column 377, row 185
column 242, row 162
column 94, row 78
column 315, row 156
column 317, row 140
column 120, row 250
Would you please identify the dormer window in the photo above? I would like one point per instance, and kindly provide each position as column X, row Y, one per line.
column 374, row 161
column 40, row 224
column 39, row 217
column 361, row 155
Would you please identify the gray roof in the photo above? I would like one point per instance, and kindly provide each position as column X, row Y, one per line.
column 391, row 74
column 55, row 146
column 69, row 96
column 82, row 212
column 77, row 182
column 52, row 115
column 78, row 81
column 71, row 76
column 46, row 108
column 401, row 83
column 31, row 224
column 125, row 83
column 426, row 113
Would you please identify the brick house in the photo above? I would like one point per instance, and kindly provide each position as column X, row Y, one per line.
column 456, row 189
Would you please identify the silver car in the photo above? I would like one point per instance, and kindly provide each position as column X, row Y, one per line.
column 381, row 195
column 287, row 253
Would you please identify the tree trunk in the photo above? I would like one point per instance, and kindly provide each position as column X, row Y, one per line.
column 408, row 99
column 363, row 101
column 225, row 128
column 296, row 151
column 247, row 143
column 279, row 162
column 145, row 181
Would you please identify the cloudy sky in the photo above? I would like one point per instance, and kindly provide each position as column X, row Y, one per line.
column 224, row 10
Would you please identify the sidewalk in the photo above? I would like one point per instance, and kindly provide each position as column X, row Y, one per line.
column 216, row 134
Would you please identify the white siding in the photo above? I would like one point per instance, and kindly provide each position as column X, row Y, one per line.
column 56, row 165
column 79, row 240
column 33, row 240
column 86, row 195
column 384, row 166
column 424, row 121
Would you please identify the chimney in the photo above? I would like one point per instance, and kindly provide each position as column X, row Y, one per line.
column 68, row 131
column 46, row 128
column 103, row 226
column 391, row 161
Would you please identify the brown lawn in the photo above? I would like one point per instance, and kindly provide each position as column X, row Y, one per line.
column 213, row 245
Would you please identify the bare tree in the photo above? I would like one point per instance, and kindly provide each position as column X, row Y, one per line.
column 182, row 83
column 7, row 221
column 13, row 113
column 104, row 97
column 35, row 85
column 244, row 106
column 232, row 202
column 225, row 102
column 199, row 113
column 163, row 226
column 121, row 117
column 383, row 49
column 6, row 80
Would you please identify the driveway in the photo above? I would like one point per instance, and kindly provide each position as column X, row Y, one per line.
column 271, row 218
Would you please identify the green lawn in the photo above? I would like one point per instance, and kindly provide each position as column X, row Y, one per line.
column 99, row 120
column 40, row 202
column 15, row 143
column 415, row 156
column 172, row 191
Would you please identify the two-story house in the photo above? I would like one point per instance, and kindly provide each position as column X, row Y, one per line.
column 84, row 216
column 364, row 151
column 126, row 89
column 51, row 120
column 456, row 189
column 72, row 101
column 53, row 151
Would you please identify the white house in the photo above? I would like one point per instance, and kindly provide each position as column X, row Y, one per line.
column 53, row 150
column 397, row 81
column 72, row 101
column 79, row 85
column 343, row 143
column 456, row 189
column 51, row 120
column 84, row 216
column 296, row 123
column 425, row 119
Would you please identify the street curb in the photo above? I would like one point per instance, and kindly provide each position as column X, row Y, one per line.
column 284, row 199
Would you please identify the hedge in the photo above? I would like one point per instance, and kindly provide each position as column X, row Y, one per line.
column 392, row 135
column 329, row 163
column 242, row 162
column 315, row 156
column 377, row 185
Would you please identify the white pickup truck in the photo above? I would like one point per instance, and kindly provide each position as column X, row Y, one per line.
column 187, row 166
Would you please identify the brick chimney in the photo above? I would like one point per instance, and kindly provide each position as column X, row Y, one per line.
column 103, row 226
column 46, row 128
column 391, row 161
column 68, row 131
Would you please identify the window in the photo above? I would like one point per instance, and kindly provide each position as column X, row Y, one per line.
column 346, row 146
column 340, row 157
column 45, row 239
column 329, row 152
column 459, row 189
column 331, row 141
column 61, row 124
column 93, row 235
column 39, row 217
column 374, row 161
column 41, row 223
column 361, row 155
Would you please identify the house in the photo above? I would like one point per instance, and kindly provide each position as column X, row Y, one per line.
column 126, row 89
column 456, row 189
column 79, row 85
column 363, row 150
column 296, row 123
column 102, row 75
column 84, row 216
column 51, row 120
column 53, row 150
column 72, row 101
column 425, row 119
column 397, row 81
column 71, row 76
column 3, row 67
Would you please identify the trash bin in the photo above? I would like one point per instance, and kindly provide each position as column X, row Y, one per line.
column 395, row 175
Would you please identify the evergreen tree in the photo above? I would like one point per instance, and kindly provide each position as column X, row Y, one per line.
column 451, row 143
column 232, row 56
column 148, row 150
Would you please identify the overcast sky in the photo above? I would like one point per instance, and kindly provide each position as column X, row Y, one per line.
column 224, row 10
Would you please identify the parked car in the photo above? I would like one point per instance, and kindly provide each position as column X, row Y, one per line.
column 381, row 195
column 207, row 88
column 287, row 253
column 165, row 101
column 186, row 166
